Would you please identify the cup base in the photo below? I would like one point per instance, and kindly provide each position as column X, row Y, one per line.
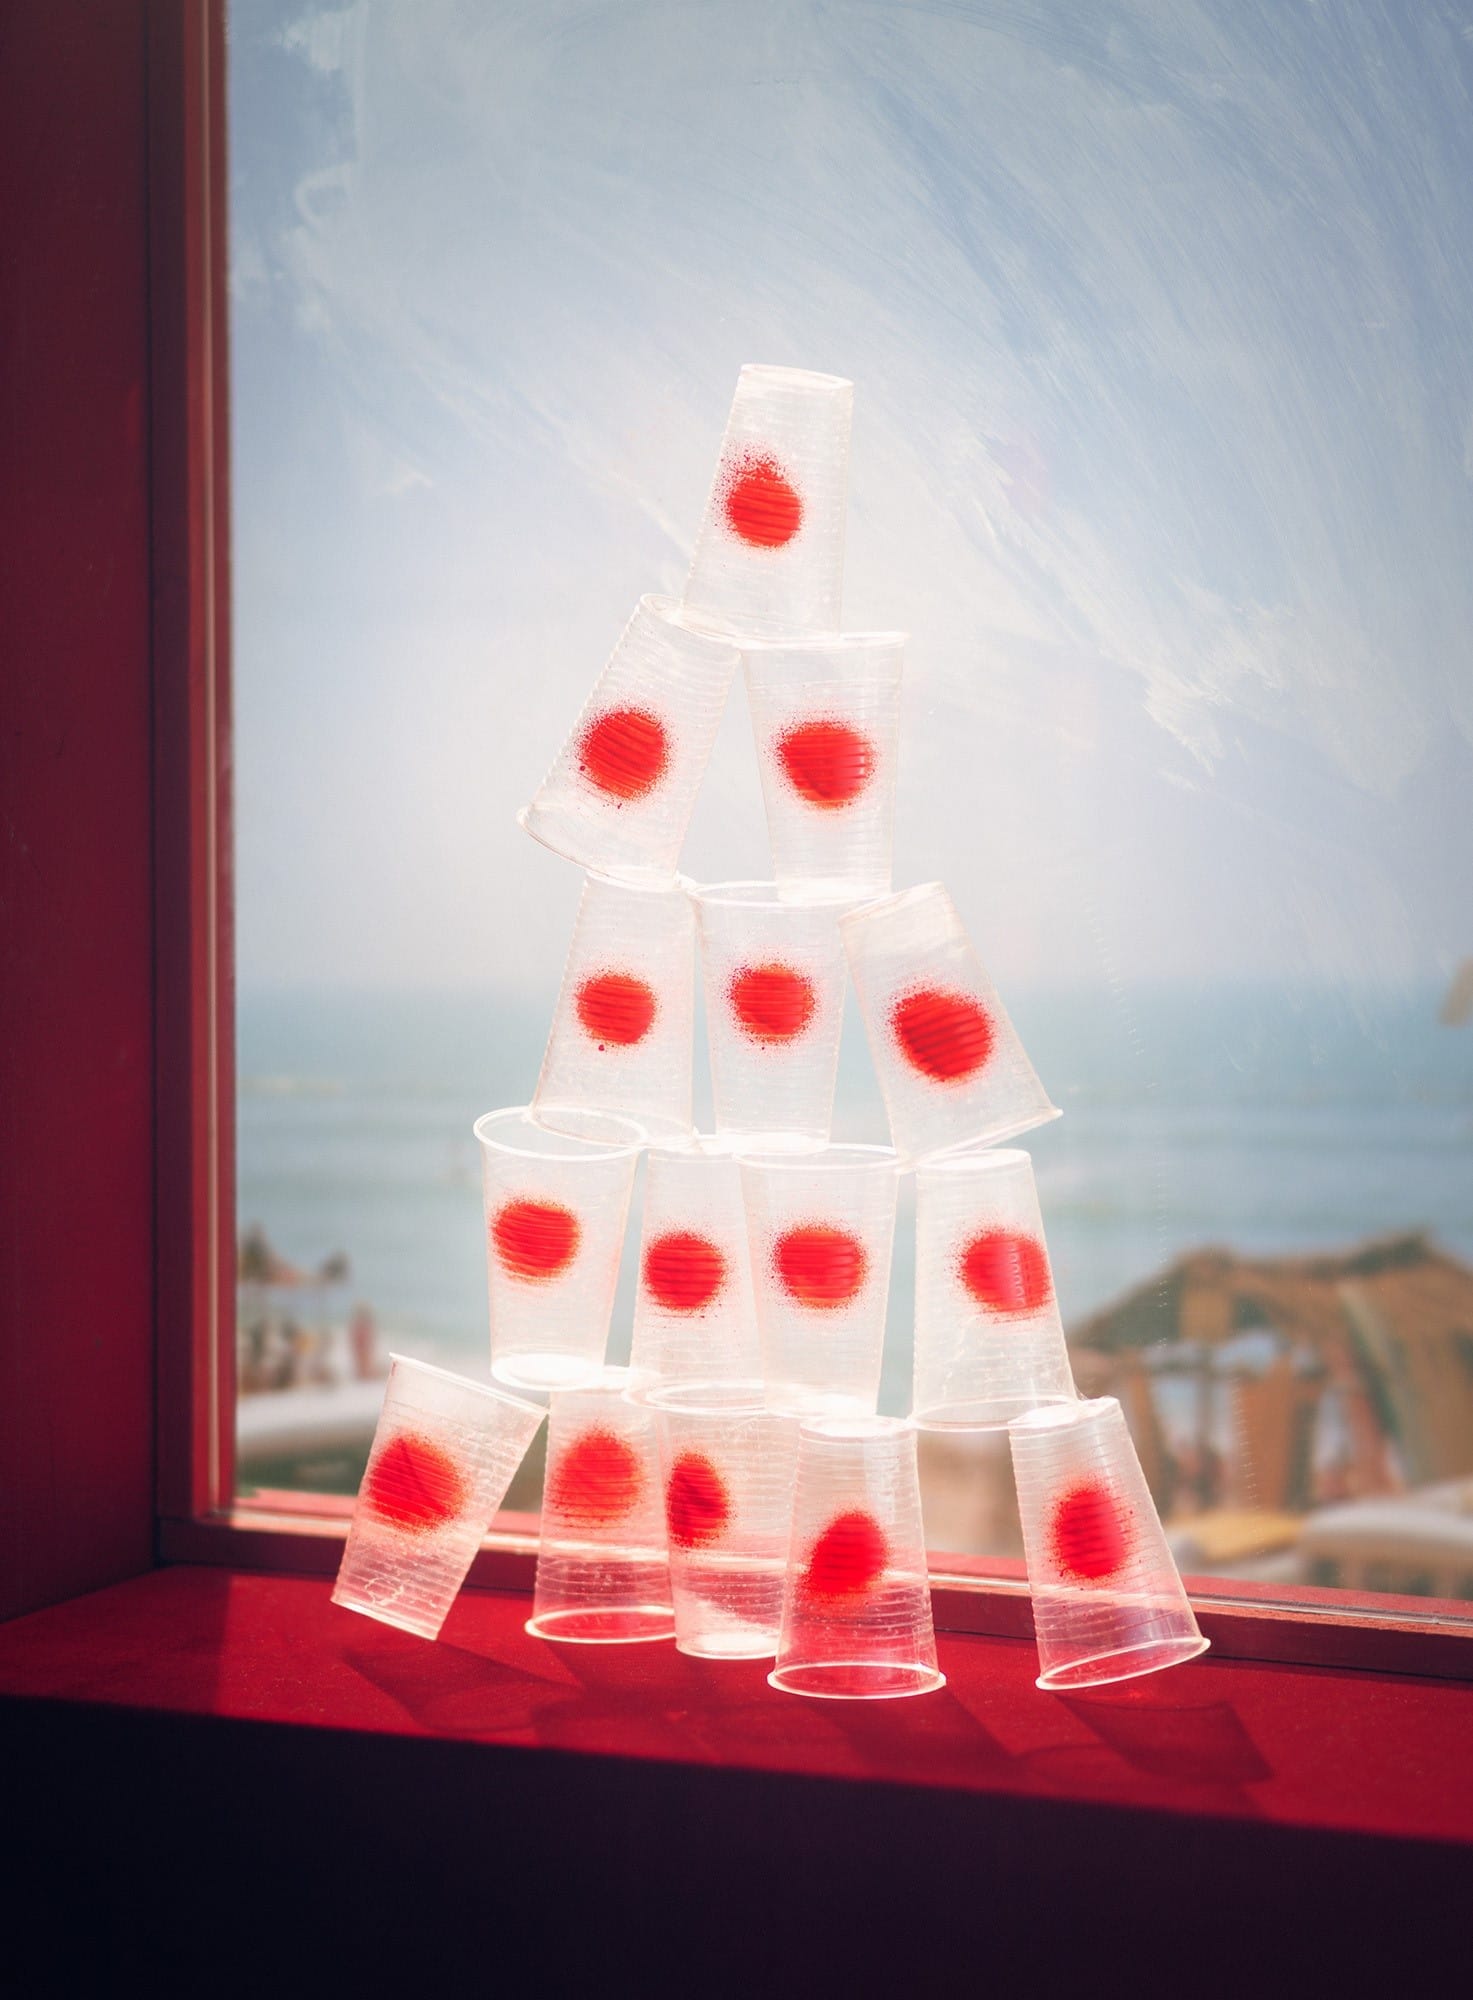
column 981, row 1142
column 814, row 1406
column 856, row 1680
column 1126, row 1663
column 546, row 1371
column 606, row 1625
column 995, row 1414
column 575, row 840
column 387, row 1617
column 732, row 1646
column 577, row 1121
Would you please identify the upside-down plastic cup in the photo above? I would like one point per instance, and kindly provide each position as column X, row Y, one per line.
column 821, row 1226
column 695, row 1320
column 826, row 717
column 555, row 1208
column 619, row 795
column 989, row 1342
column 774, row 976
column 954, row 1074
column 622, row 1035
column 603, row 1575
column 727, row 1462
column 1108, row 1603
column 856, row 1617
column 443, row 1455
column 769, row 557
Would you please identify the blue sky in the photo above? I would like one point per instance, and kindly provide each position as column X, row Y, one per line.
column 1163, row 453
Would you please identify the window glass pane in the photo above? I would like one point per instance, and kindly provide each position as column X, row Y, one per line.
column 1161, row 453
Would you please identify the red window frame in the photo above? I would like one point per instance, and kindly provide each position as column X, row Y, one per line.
column 199, row 1519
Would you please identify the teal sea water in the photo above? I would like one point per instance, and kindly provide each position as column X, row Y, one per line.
column 1262, row 1119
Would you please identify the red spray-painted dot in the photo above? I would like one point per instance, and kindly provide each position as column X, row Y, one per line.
column 847, row 1557
column 1006, row 1273
column 819, row 1265
column 684, row 1271
column 597, row 1479
column 946, row 1036
column 1089, row 1533
column 697, row 1504
column 827, row 763
column 624, row 752
column 773, row 1003
column 535, row 1239
column 414, row 1485
column 762, row 504
column 615, row 1007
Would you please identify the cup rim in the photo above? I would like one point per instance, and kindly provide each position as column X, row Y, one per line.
column 876, row 1158
column 671, row 611
column 1060, row 1416
column 878, row 906
column 746, row 1397
column 984, row 1160
column 854, row 1430
column 491, row 1389
column 824, row 642
column 575, row 1148
column 724, row 895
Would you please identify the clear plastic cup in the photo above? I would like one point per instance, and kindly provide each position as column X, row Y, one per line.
column 619, row 795
column 826, row 718
column 603, row 1574
column 954, row 1074
column 769, row 557
column 857, row 1600
column 727, row 1462
column 821, row 1226
column 989, row 1342
column 555, row 1209
column 774, row 976
column 443, row 1455
column 622, row 1035
column 1108, row 1603
column 695, row 1320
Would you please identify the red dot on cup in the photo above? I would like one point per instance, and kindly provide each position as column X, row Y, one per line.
column 848, row 1557
column 624, row 752
column 773, row 1003
column 413, row 1484
column 819, row 1265
column 827, row 763
column 597, row 1479
column 683, row 1271
column 615, row 1007
column 535, row 1239
column 1089, row 1533
column 762, row 504
column 697, row 1504
column 1006, row 1272
column 946, row 1036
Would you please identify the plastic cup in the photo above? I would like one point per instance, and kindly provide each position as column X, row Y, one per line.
column 727, row 1462
column 954, row 1074
column 856, row 1600
column 774, row 977
column 826, row 717
column 603, row 1576
column 555, row 1208
column 443, row 1455
column 769, row 557
column 695, row 1320
column 989, row 1342
column 619, row 795
column 1108, row 1603
column 622, row 1035
column 821, row 1226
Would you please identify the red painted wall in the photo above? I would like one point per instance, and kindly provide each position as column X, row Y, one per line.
column 76, row 1142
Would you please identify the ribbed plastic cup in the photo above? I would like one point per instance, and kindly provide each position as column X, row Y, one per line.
column 826, row 718
column 622, row 1034
column 954, row 1074
column 989, row 1342
column 443, row 1455
column 1108, row 1603
column 769, row 557
column 603, row 1574
column 555, row 1209
column 857, row 1600
column 727, row 1462
column 695, row 1320
column 619, row 795
column 821, row 1226
column 774, row 977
